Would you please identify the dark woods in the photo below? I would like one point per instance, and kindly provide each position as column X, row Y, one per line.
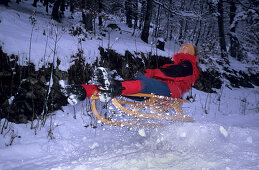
column 230, row 26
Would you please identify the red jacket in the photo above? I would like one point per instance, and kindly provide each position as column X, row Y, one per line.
column 178, row 85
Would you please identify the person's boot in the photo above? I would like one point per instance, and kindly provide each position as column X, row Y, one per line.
column 110, row 88
column 74, row 93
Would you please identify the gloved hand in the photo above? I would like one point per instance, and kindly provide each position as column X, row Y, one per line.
column 74, row 93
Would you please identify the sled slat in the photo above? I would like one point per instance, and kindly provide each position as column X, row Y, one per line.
column 151, row 116
column 156, row 103
column 113, row 123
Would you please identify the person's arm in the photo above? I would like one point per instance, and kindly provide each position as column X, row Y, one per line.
column 182, row 69
column 150, row 73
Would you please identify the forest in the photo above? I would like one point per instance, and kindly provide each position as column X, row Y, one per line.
column 227, row 27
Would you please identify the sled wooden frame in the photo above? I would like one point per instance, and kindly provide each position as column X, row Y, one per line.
column 151, row 102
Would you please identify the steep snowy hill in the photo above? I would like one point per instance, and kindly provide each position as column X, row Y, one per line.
column 17, row 32
column 225, row 133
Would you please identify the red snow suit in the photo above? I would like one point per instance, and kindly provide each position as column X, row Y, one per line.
column 177, row 85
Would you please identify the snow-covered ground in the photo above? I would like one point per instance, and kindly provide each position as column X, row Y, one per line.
column 225, row 138
column 17, row 32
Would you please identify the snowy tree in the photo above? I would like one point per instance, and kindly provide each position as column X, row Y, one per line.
column 234, row 49
column 148, row 18
column 128, row 12
column 55, row 11
column 35, row 3
column 221, row 31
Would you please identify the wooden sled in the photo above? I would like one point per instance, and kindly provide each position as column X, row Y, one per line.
column 157, row 104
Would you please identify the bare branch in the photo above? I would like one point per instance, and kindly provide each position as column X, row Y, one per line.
column 179, row 13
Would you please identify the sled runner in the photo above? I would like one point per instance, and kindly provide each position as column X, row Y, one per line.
column 156, row 104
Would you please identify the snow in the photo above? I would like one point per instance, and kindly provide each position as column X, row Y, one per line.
column 225, row 138
column 142, row 132
column 223, row 131
column 16, row 30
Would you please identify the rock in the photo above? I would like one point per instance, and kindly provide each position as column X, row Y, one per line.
column 114, row 27
column 160, row 44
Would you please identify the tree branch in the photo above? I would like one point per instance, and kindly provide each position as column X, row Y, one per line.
column 182, row 13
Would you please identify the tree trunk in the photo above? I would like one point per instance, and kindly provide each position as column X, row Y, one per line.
column 135, row 14
column 88, row 21
column 46, row 3
column 169, row 23
column 157, row 21
column 35, row 3
column 148, row 17
column 128, row 8
column 142, row 14
column 222, row 41
column 196, row 38
column 86, row 16
column 234, row 43
column 181, row 31
column 55, row 11
column 100, row 7
column 71, row 5
column 62, row 6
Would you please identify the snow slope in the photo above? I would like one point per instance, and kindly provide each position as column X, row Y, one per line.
column 16, row 30
column 225, row 138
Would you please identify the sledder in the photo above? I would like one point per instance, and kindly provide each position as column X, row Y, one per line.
column 163, row 86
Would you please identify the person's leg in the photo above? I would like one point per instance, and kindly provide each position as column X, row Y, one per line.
column 90, row 89
column 130, row 87
column 153, row 86
column 142, row 84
